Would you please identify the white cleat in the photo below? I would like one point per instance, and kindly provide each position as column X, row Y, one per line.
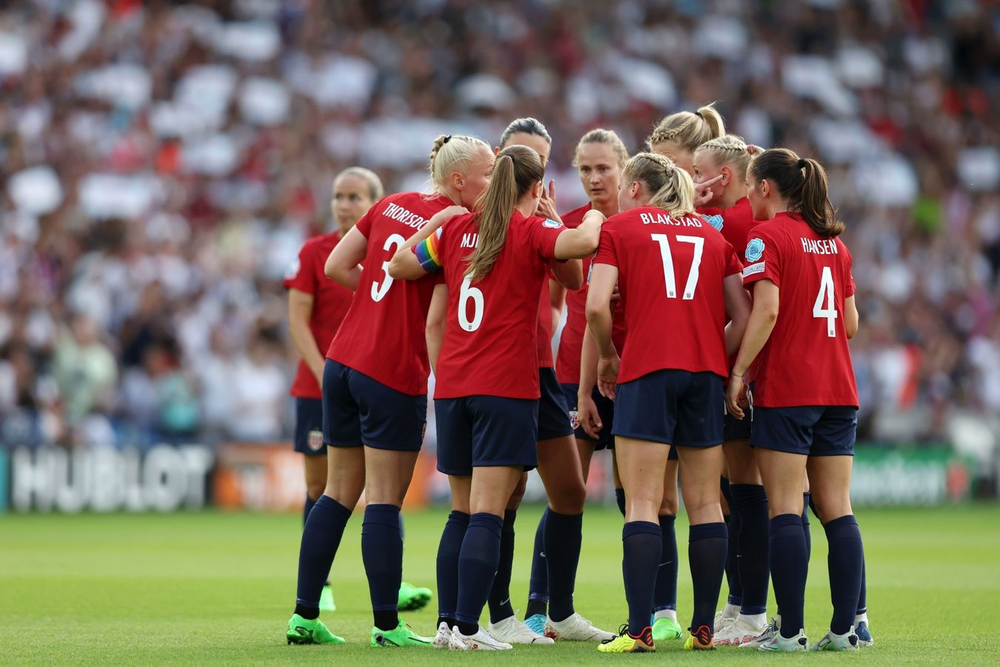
column 576, row 628
column 722, row 620
column 481, row 641
column 513, row 631
column 831, row 642
column 778, row 643
column 770, row 632
column 739, row 632
column 445, row 639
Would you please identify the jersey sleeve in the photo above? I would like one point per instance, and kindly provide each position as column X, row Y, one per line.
column 733, row 265
column 606, row 250
column 543, row 234
column 850, row 288
column 428, row 252
column 300, row 274
column 763, row 258
column 364, row 225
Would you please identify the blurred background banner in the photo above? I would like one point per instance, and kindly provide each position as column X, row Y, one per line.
column 161, row 163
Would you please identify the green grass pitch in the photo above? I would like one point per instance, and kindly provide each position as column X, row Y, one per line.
column 218, row 588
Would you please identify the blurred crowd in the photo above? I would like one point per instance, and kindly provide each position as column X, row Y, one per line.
column 161, row 163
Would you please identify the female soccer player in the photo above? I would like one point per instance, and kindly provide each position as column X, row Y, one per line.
column 558, row 466
column 678, row 135
column 723, row 163
column 804, row 392
column 494, row 263
column 669, row 384
column 375, row 393
column 316, row 307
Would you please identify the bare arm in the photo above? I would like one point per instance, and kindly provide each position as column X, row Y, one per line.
column 435, row 323
column 557, row 299
column 599, row 319
column 582, row 241
column 404, row 264
column 300, row 308
column 763, row 317
column 569, row 273
column 738, row 310
column 343, row 264
column 851, row 318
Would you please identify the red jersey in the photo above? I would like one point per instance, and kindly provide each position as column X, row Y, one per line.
column 806, row 361
column 543, row 337
column 330, row 303
column 383, row 333
column 670, row 274
column 492, row 324
column 734, row 222
column 571, row 342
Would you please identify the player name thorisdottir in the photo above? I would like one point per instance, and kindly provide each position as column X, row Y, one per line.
column 405, row 216
column 661, row 219
column 820, row 247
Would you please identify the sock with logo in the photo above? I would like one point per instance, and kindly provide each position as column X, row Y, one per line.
column 846, row 562
column 563, row 538
column 382, row 554
column 665, row 592
column 788, row 570
column 499, row 598
column 707, row 548
column 447, row 565
column 732, row 521
column 477, row 567
column 641, row 544
column 320, row 540
column 751, row 502
column 538, row 584
column 806, row 503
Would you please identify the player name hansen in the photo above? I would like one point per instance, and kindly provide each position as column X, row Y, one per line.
column 661, row 219
column 820, row 246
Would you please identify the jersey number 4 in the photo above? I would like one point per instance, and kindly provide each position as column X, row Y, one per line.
column 829, row 311
column 668, row 264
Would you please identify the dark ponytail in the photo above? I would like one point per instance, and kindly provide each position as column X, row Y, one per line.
column 802, row 181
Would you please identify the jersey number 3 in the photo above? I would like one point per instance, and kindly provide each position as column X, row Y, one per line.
column 829, row 311
column 391, row 245
column 668, row 264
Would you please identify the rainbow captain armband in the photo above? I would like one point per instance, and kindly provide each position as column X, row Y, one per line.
column 427, row 253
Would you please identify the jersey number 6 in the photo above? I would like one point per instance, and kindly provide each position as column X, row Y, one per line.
column 478, row 303
column 392, row 245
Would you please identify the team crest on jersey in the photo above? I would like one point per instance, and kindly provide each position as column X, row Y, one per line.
column 552, row 224
column 755, row 250
column 574, row 419
column 714, row 220
column 315, row 440
column 293, row 269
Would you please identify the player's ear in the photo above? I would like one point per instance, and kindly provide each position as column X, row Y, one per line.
column 634, row 189
column 764, row 187
column 457, row 180
column 496, row 150
column 727, row 176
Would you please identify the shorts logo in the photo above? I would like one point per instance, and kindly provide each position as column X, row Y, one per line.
column 755, row 250
column 714, row 220
column 574, row 420
column 753, row 268
column 315, row 440
column 552, row 224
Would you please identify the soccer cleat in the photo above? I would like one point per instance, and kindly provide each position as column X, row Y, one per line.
column 412, row 597
column 445, row 639
column 576, row 628
column 513, row 631
column 831, row 642
column 536, row 623
column 400, row 637
column 701, row 639
column 326, row 602
column 481, row 641
column 305, row 631
column 722, row 620
column 738, row 633
column 770, row 632
column 665, row 629
column 623, row 642
column 778, row 643
column 864, row 634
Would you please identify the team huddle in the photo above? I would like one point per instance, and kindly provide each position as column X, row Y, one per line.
column 708, row 306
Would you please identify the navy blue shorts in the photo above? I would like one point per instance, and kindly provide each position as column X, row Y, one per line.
column 358, row 410
column 813, row 430
column 484, row 431
column 553, row 415
column 738, row 429
column 605, row 410
column 673, row 407
column 309, row 426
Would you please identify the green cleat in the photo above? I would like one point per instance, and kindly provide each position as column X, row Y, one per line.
column 400, row 637
column 304, row 631
column 665, row 629
column 326, row 602
column 412, row 598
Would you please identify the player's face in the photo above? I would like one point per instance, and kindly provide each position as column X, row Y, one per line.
column 626, row 201
column 351, row 200
column 682, row 157
column 705, row 169
column 532, row 141
column 598, row 167
column 758, row 203
column 476, row 177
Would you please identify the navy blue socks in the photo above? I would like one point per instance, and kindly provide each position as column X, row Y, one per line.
column 863, row 597
column 538, row 585
column 620, row 499
column 846, row 562
column 732, row 553
column 499, row 598
column 320, row 539
column 806, row 503
column 665, row 593
column 707, row 547
column 641, row 545
column 477, row 566
column 447, row 565
column 306, row 508
column 788, row 570
column 563, row 537
column 382, row 553
column 751, row 503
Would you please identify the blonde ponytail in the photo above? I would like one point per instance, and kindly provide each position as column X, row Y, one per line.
column 689, row 130
column 670, row 187
column 730, row 150
column 451, row 153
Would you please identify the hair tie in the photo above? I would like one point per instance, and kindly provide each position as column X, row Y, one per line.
column 447, row 138
column 801, row 163
column 698, row 114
